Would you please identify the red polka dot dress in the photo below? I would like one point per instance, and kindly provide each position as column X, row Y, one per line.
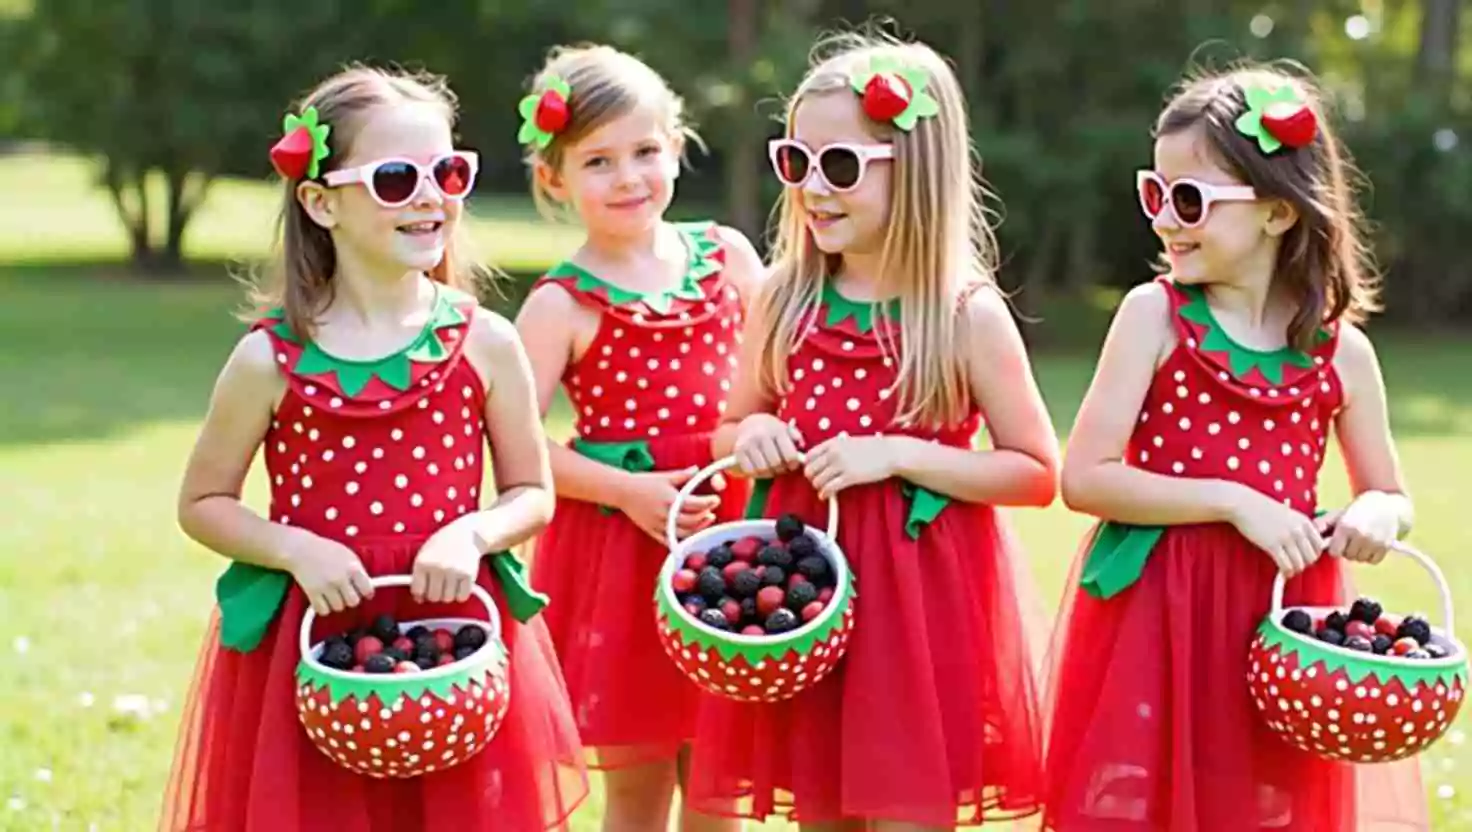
column 1152, row 727
column 932, row 715
column 647, row 395
column 378, row 456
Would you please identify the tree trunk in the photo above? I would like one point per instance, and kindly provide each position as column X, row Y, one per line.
column 1437, row 56
column 744, row 147
column 185, row 192
column 120, row 183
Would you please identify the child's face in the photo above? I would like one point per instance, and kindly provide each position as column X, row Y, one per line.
column 851, row 221
column 412, row 236
column 619, row 178
column 1232, row 243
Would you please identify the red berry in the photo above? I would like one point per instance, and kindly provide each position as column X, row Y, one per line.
column 1359, row 628
column 695, row 562
column 366, row 647
column 444, row 659
column 731, row 608
column 746, row 548
column 886, row 96
column 684, row 580
column 694, row 609
column 769, row 599
column 825, row 594
column 796, row 578
column 733, row 569
column 552, row 113
column 404, row 644
column 753, row 630
column 406, row 667
column 1404, row 645
column 444, row 640
column 1386, row 626
column 358, row 668
column 812, row 610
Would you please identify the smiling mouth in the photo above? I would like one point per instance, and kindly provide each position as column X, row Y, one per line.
column 1181, row 249
column 825, row 217
column 629, row 203
column 417, row 229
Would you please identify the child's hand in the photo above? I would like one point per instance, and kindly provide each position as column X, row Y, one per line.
column 1364, row 530
column 845, row 461
column 648, row 498
column 767, row 446
column 329, row 573
column 1287, row 536
column 446, row 565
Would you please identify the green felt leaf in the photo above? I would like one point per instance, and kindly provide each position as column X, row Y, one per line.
column 1259, row 99
column 1242, row 360
column 556, row 82
column 249, row 597
column 528, row 105
column 390, row 686
column 840, row 309
column 319, row 132
column 925, row 506
column 522, row 600
column 1361, row 666
column 768, row 649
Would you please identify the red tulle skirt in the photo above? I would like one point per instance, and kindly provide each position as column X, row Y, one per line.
column 632, row 705
column 1151, row 724
column 931, row 718
column 243, row 761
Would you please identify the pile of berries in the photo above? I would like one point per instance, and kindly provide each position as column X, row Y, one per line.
column 757, row 586
column 1367, row 628
column 384, row 648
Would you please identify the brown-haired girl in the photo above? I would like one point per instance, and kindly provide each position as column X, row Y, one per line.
column 373, row 385
column 641, row 328
column 1199, row 447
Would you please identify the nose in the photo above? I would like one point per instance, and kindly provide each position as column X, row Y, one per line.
column 1166, row 219
column 815, row 184
column 428, row 194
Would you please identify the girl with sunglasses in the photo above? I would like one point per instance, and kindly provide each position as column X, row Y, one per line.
column 1199, row 447
column 640, row 327
column 879, row 341
column 373, row 383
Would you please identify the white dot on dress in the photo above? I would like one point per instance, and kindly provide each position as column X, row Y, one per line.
column 401, row 481
column 331, row 513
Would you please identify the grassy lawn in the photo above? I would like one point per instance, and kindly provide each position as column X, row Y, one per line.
column 104, row 600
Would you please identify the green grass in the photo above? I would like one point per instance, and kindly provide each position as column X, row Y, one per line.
column 104, row 600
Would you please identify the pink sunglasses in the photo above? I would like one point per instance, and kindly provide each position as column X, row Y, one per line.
column 1188, row 199
column 394, row 182
column 840, row 166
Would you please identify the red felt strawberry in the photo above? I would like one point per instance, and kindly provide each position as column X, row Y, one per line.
column 551, row 113
column 886, row 95
column 1291, row 123
column 293, row 153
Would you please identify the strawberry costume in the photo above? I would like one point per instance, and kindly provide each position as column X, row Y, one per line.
column 377, row 455
column 931, row 715
column 647, row 395
column 1152, row 725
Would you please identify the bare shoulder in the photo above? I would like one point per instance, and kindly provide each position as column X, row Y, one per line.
column 743, row 264
column 547, row 301
column 253, row 364
column 1356, row 361
column 492, row 335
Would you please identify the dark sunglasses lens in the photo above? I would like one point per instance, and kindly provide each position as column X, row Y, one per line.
column 1152, row 197
column 840, row 167
column 1189, row 203
column 791, row 164
column 395, row 182
column 453, row 176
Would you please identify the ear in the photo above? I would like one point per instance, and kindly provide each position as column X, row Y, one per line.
column 319, row 203
column 1281, row 217
column 550, row 180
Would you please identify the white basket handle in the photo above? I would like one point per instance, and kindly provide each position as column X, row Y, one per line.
column 710, row 471
column 405, row 580
column 1401, row 548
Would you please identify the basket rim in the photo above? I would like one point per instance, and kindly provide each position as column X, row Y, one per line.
column 826, row 545
column 451, row 669
column 1451, row 662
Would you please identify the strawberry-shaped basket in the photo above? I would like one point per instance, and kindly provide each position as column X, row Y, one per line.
column 1355, row 705
column 755, row 668
column 406, row 724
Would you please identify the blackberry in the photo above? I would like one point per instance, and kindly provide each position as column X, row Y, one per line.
column 694, row 600
column 800, row 595
column 789, row 528
column 1334, row 637
column 774, row 556
column 1359, row 643
column 1336, row 621
column 417, row 632
column 711, row 584
column 1418, row 653
column 395, row 653
column 1366, row 609
column 803, row 547
column 471, row 635
column 780, row 621
column 352, row 636
column 463, row 652
column 380, row 663
column 719, row 557
column 337, row 655
column 426, row 662
column 745, row 584
column 715, row 619
column 748, row 611
column 426, row 648
column 1381, row 644
column 1436, row 651
column 385, row 628
column 1414, row 626
column 774, row 576
column 815, row 568
column 1299, row 622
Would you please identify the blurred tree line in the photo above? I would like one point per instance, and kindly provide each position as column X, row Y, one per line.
column 1062, row 94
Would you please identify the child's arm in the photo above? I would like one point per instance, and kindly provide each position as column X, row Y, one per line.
column 1097, row 481
column 548, row 324
column 1023, row 467
column 210, row 510
column 1381, row 511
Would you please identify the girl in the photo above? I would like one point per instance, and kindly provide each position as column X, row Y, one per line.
column 1199, row 446
column 879, row 340
column 371, row 386
column 640, row 327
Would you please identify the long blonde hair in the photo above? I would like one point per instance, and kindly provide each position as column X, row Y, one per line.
column 300, row 275
column 937, row 241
